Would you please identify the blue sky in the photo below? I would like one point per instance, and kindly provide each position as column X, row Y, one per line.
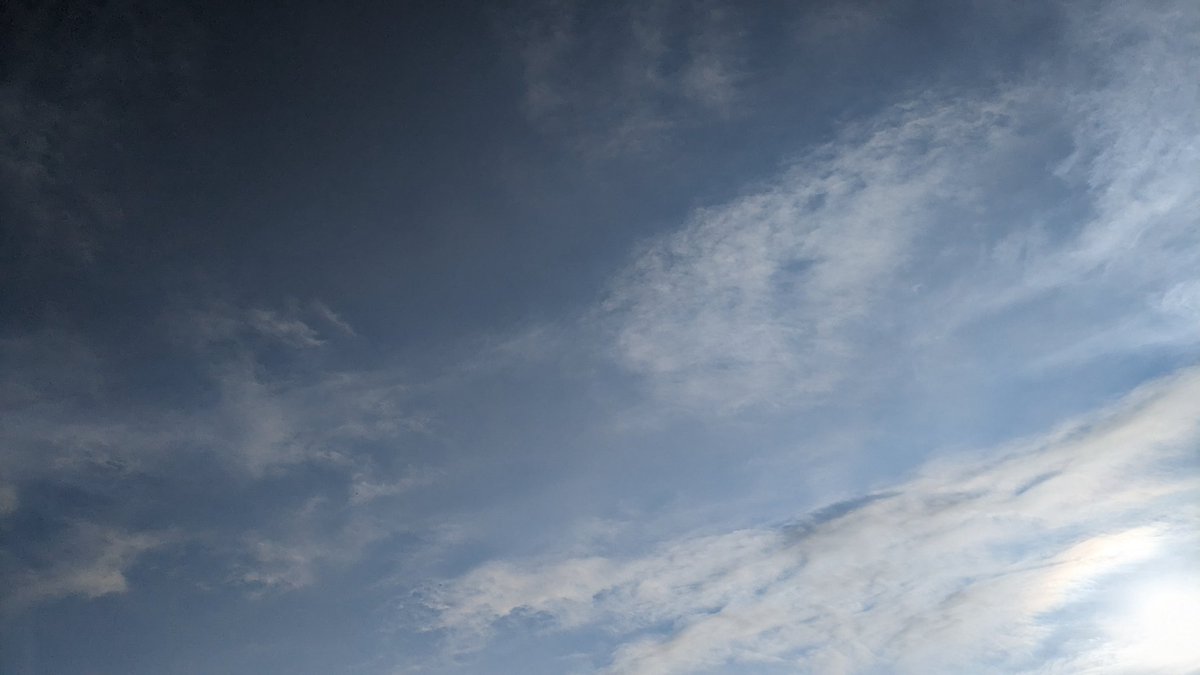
column 564, row 337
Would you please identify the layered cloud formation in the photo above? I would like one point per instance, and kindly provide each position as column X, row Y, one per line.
column 848, row 366
column 948, row 212
column 974, row 564
column 1030, row 229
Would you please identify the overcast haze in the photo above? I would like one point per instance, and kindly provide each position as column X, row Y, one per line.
column 567, row 337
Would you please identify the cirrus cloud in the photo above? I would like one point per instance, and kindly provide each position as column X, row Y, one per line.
column 972, row 564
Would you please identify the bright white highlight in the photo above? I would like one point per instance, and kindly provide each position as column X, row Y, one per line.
column 1157, row 625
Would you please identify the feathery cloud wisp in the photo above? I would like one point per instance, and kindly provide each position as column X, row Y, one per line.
column 930, row 220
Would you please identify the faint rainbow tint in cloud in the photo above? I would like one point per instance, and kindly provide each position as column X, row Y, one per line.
column 977, row 563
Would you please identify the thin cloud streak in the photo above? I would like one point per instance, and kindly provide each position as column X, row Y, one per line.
column 958, row 568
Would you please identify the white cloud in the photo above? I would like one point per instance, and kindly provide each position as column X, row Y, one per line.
column 87, row 560
column 962, row 568
column 264, row 425
column 902, row 234
column 1137, row 130
column 761, row 299
column 293, row 554
column 365, row 489
column 1136, row 251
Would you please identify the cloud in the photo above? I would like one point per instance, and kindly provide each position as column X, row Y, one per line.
column 317, row 536
column 968, row 566
column 294, row 325
column 762, row 299
column 56, row 388
column 1130, row 122
column 57, row 416
column 86, row 560
column 269, row 416
column 325, row 313
column 1056, row 211
column 289, row 330
column 263, row 425
column 69, row 440
column 622, row 79
column 365, row 489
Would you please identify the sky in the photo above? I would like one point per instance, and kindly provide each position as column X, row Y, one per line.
column 570, row 337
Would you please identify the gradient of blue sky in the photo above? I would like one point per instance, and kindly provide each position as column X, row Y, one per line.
column 565, row 337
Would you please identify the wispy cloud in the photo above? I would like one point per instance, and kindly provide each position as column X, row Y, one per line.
column 85, row 559
column 762, row 299
column 62, row 436
column 264, row 425
column 966, row 566
column 1061, row 216
column 621, row 79
column 260, row 419
column 1136, row 241
column 294, row 325
column 317, row 536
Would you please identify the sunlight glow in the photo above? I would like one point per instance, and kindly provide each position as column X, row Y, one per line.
column 1159, row 628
